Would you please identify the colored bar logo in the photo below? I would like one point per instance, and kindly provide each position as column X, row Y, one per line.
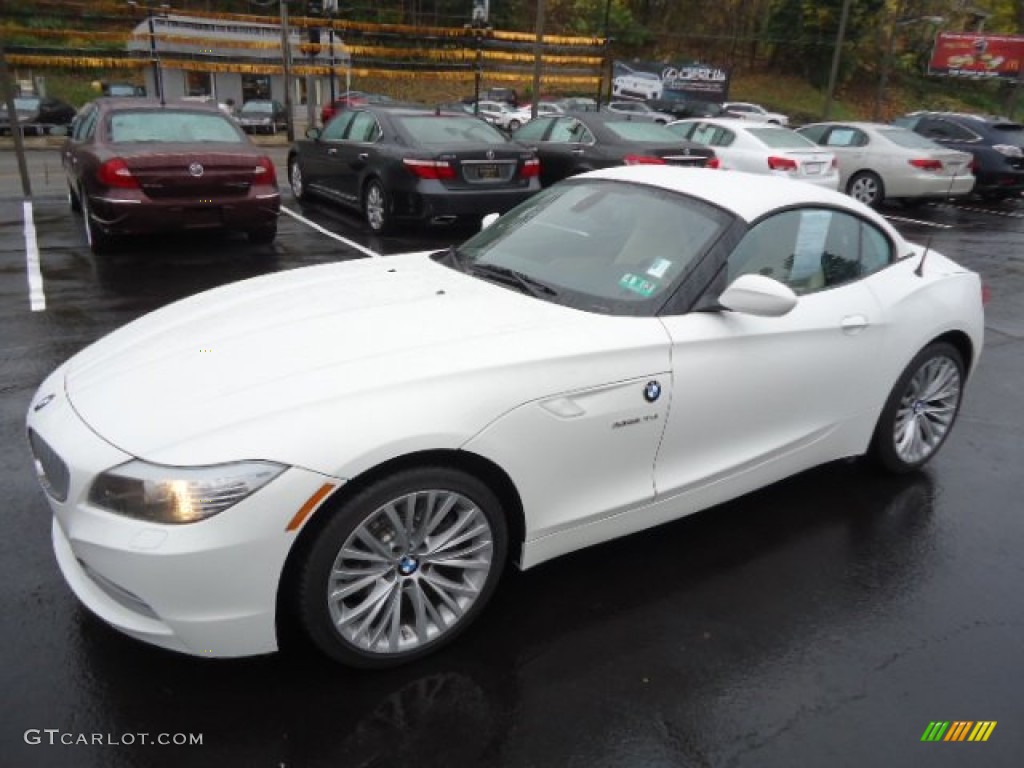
column 958, row 730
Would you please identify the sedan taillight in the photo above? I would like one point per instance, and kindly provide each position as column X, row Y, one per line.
column 430, row 169
column 642, row 160
column 787, row 164
column 926, row 165
column 530, row 168
column 115, row 173
column 265, row 172
column 713, row 162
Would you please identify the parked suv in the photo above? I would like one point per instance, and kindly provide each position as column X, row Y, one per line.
column 996, row 143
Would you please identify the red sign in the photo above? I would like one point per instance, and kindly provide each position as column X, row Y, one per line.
column 977, row 55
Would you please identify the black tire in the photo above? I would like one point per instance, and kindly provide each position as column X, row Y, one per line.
column 376, row 207
column 866, row 187
column 371, row 620
column 99, row 241
column 263, row 235
column 921, row 409
column 295, row 179
column 513, row 125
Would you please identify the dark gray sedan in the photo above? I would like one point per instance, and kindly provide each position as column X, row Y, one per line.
column 414, row 164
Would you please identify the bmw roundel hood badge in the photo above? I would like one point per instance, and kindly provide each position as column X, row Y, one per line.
column 652, row 391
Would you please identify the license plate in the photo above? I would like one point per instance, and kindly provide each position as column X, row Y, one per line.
column 813, row 168
column 487, row 172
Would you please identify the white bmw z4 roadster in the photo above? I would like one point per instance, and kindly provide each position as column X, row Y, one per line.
column 359, row 448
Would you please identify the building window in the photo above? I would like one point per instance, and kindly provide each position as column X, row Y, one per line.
column 255, row 87
column 198, row 84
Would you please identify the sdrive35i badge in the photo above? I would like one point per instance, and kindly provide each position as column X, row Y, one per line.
column 652, row 391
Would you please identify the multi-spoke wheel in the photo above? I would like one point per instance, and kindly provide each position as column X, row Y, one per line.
column 403, row 567
column 295, row 178
column 921, row 409
column 866, row 187
column 375, row 207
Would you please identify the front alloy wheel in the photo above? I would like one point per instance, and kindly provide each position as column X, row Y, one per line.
column 295, row 178
column 921, row 409
column 403, row 567
column 375, row 207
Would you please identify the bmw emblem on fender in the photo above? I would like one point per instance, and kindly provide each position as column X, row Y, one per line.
column 652, row 391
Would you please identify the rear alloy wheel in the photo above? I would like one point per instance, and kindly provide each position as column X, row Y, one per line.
column 867, row 188
column 375, row 207
column 403, row 567
column 99, row 241
column 295, row 179
column 921, row 409
column 513, row 125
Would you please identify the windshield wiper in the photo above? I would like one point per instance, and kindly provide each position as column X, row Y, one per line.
column 507, row 276
column 451, row 257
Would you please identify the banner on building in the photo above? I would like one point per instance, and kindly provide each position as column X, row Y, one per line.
column 970, row 54
column 649, row 80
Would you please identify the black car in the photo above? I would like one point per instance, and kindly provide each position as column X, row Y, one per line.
column 36, row 114
column 996, row 143
column 681, row 105
column 262, row 116
column 417, row 164
column 586, row 141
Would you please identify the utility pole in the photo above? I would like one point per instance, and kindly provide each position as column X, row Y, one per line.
column 7, row 93
column 836, row 54
column 538, row 57
column 286, row 61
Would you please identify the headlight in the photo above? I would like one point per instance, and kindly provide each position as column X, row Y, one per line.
column 178, row 494
column 1008, row 149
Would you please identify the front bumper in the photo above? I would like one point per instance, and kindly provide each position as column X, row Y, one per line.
column 207, row 588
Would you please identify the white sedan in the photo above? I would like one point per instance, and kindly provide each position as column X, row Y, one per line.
column 497, row 113
column 356, row 449
column 755, row 113
column 524, row 114
column 879, row 162
column 769, row 149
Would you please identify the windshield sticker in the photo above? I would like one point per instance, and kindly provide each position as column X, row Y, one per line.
column 637, row 284
column 659, row 268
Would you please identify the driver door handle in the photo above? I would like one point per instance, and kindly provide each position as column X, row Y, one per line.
column 364, row 156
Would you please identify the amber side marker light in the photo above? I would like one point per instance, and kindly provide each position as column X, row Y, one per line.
column 311, row 503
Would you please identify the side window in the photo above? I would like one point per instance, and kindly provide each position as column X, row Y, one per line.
column 85, row 126
column 844, row 137
column 814, row 132
column 562, row 133
column 533, row 130
column 363, row 128
column 335, row 129
column 810, row 249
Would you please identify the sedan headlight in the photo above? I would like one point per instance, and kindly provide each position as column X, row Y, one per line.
column 178, row 494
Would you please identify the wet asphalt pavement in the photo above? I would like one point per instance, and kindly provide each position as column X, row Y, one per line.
column 825, row 621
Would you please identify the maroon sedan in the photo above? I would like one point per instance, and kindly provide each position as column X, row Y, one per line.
column 136, row 166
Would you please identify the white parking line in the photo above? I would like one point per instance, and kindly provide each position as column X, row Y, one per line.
column 324, row 231
column 36, row 296
column 1005, row 214
column 920, row 223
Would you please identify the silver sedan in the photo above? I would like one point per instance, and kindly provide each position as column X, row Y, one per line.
column 880, row 162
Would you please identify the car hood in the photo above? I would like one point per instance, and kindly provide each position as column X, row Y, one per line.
column 279, row 352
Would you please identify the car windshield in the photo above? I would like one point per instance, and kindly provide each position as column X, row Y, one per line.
column 601, row 246
column 642, row 131
column 257, row 107
column 27, row 104
column 908, row 139
column 450, row 129
column 166, row 126
column 1009, row 133
column 781, row 138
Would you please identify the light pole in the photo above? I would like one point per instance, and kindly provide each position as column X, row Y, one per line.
column 154, row 60
column 883, row 78
column 331, row 6
column 836, row 54
column 605, row 64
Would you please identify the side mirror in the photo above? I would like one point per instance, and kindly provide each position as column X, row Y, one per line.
column 487, row 220
column 313, row 132
column 758, row 295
